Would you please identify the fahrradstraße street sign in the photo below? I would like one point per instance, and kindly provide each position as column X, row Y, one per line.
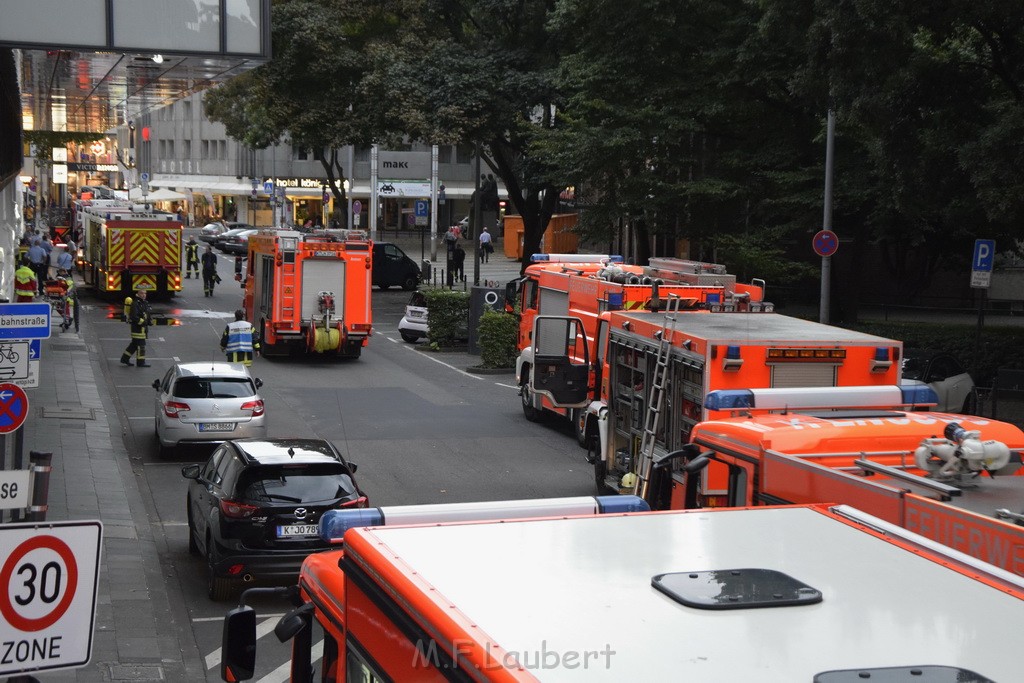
column 25, row 321
column 48, row 578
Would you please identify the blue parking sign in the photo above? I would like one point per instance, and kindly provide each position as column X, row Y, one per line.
column 984, row 255
column 422, row 210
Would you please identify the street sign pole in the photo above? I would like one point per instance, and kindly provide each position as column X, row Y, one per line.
column 982, row 262
column 824, row 312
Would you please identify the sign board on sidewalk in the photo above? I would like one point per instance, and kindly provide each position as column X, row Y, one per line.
column 15, row 491
column 14, row 358
column 25, row 321
column 982, row 262
column 13, row 407
column 48, row 579
column 32, row 381
column 422, row 209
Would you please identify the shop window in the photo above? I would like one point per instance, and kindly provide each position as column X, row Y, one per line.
column 187, row 149
column 170, row 149
column 300, row 153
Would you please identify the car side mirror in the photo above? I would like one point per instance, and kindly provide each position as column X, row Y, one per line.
column 352, row 467
column 156, row 384
column 190, row 471
column 258, row 382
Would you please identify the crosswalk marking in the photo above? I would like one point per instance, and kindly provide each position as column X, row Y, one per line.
column 280, row 674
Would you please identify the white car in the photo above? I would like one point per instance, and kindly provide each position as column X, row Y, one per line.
column 943, row 373
column 413, row 325
column 207, row 402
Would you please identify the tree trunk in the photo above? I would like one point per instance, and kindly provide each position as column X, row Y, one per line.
column 336, row 182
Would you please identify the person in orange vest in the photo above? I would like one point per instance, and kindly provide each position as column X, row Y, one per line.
column 25, row 283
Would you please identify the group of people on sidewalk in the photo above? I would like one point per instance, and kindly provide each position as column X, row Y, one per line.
column 457, row 255
column 32, row 279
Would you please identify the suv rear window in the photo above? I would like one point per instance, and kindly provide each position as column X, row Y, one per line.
column 306, row 483
column 204, row 387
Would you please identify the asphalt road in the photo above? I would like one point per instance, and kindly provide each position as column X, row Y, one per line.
column 421, row 429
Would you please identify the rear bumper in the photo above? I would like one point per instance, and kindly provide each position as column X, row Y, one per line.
column 261, row 565
column 182, row 433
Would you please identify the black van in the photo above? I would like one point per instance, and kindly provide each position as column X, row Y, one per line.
column 392, row 267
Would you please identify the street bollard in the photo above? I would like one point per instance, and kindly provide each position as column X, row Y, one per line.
column 41, row 468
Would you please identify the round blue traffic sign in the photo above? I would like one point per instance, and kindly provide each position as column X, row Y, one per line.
column 13, row 407
column 825, row 243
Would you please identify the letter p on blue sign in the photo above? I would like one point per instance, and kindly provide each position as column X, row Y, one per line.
column 984, row 254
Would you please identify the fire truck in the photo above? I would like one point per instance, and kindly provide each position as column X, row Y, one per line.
column 310, row 293
column 586, row 285
column 787, row 593
column 126, row 248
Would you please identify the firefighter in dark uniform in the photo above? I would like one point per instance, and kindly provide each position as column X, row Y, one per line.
column 239, row 340
column 140, row 317
column 210, row 276
column 191, row 258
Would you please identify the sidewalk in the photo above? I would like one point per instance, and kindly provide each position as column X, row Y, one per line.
column 139, row 612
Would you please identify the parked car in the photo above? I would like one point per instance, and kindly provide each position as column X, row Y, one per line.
column 253, row 509
column 392, row 267
column 237, row 243
column 207, row 402
column 946, row 375
column 220, row 240
column 211, row 231
column 413, row 325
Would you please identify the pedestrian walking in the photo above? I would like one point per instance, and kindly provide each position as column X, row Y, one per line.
column 486, row 248
column 240, row 340
column 210, row 277
column 64, row 263
column 191, row 258
column 38, row 262
column 140, row 317
column 459, row 263
column 25, row 285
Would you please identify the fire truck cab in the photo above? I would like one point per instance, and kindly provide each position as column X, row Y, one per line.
column 310, row 293
column 584, row 286
column 798, row 593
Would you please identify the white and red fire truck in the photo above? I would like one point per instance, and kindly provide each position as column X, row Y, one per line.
column 310, row 293
column 794, row 593
column 125, row 248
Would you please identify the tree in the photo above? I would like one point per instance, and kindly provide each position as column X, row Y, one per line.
column 313, row 91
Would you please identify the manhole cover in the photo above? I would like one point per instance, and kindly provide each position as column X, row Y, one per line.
column 76, row 413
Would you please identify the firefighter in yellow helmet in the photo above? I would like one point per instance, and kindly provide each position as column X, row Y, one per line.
column 140, row 317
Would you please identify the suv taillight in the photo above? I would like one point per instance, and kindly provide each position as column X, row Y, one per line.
column 236, row 510
column 360, row 502
column 173, row 408
column 255, row 406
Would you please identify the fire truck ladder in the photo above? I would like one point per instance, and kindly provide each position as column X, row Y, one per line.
column 656, row 398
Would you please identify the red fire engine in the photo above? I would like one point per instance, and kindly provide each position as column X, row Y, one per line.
column 310, row 293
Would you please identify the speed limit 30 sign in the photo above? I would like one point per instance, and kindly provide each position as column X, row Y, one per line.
column 48, row 579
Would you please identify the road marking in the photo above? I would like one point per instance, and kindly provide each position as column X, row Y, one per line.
column 167, row 524
column 448, row 365
column 508, row 386
column 149, row 417
column 280, row 674
column 262, row 629
column 176, row 359
column 134, row 386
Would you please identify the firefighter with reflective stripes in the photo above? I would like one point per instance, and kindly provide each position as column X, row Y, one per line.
column 239, row 340
column 191, row 258
column 140, row 317
column 25, row 282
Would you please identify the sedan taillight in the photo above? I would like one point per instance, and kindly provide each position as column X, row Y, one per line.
column 175, row 408
column 255, row 406
column 236, row 510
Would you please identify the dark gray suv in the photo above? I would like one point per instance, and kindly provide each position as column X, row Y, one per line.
column 254, row 508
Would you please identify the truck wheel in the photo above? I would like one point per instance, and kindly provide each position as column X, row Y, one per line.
column 532, row 413
column 409, row 283
column 579, row 423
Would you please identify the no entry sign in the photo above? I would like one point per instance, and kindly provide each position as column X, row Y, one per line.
column 48, row 580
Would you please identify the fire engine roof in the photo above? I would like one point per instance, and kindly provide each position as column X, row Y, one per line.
column 746, row 327
column 584, row 585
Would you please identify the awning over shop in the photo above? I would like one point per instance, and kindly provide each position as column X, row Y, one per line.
column 203, row 184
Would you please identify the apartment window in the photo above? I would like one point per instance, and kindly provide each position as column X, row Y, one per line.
column 186, row 109
column 299, row 153
column 222, row 148
column 187, row 149
column 463, row 154
column 170, row 149
column 163, row 149
column 444, row 155
column 206, row 149
column 362, row 154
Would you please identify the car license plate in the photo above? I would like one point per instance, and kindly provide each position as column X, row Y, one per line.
column 216, row 426
column 297, row 530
